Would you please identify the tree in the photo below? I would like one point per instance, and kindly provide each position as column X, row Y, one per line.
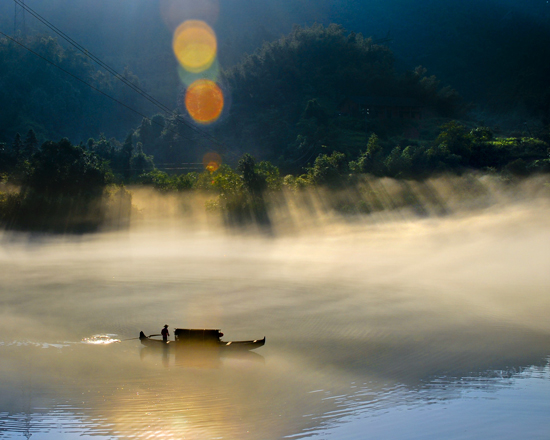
column 103, row 148
column 146, row 134
column 457, row 139
column 17, row 147
column 6, row 161
column 370, row 160
column 254, row 182
column 271, row 174
column 61, row 168
column 314, row 110
column 158, row 123
column 126, row 154
column 31, row 144
column 140, row 162
column 329, row 170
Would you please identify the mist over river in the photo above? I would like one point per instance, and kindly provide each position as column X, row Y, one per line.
column 392, row 325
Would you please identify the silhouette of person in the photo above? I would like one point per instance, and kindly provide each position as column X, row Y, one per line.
column 165, row 333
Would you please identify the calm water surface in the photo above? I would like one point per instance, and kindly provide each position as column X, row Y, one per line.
column 405, row 329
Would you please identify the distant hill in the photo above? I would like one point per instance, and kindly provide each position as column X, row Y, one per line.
column 495, row 53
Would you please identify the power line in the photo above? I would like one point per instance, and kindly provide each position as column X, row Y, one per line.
column 19, row 18
column 117, row 75
column 89, row 85
column 121, row 78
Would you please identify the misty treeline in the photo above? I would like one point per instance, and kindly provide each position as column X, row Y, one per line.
column 285, row 112
column 79, row 188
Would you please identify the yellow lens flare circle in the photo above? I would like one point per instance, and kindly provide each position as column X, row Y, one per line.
column 204, row 101
column 212, row 161
column 195, row 45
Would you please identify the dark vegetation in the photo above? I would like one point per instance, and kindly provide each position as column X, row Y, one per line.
column 35, row 94
column 287, row 94
column 285, row 112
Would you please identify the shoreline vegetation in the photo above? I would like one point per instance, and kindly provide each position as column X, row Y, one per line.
column 259, row 199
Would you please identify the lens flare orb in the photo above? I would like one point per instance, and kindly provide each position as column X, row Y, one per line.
column 195, row 45
column 212, row 161
column 204, row 101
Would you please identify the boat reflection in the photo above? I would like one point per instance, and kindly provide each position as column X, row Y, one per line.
column 203, row 356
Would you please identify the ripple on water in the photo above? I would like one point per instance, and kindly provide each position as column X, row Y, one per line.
column 58, row 423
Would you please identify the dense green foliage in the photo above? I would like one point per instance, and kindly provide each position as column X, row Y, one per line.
column 287, row 93
column 455, row 149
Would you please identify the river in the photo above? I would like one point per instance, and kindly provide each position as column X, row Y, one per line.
column 388, row 327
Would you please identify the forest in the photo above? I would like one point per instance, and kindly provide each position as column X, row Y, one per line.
column 305, row 112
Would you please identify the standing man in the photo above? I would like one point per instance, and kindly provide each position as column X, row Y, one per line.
column 165, row 333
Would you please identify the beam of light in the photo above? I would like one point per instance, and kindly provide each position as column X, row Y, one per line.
column 195, row 45
column 212, row 161
column 204, row 101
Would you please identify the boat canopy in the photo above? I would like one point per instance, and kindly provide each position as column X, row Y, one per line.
column 185, row 334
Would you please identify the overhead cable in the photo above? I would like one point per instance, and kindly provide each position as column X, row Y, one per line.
column 117, row 75
column 90, row 85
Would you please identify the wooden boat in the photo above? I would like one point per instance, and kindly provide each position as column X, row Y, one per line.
column 200, row 338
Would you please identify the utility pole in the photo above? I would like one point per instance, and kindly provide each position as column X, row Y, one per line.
column 19, row 19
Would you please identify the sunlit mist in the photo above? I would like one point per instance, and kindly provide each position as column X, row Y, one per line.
column 204, row 101
column 195, row 45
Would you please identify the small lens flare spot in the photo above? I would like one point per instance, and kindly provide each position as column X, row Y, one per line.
column 100, row 340
column 195, row 45
column 212, row 166
column 212, row 161
column 204, row 101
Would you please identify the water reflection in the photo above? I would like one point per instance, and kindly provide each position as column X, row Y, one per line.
column 197, row 357
column 117, row 396
column 497, row 404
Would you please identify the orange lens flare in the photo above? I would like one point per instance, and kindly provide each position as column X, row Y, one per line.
column 212, row 161
column 195, row 45
column 204, row 101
